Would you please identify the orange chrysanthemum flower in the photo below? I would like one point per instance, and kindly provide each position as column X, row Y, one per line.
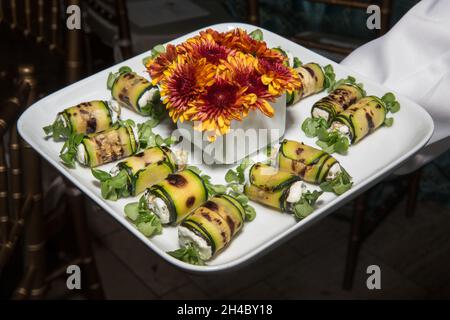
column 223, row 102
column 157, row 66
column 206, row 47
column 183, row 81
column 278, row 77
column 241, row 69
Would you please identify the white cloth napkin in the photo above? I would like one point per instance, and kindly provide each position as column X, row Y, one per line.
column 413, row 58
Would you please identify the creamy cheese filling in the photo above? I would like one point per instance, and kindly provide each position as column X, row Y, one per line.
column 159, row 207
column 114, row 108
column 187, row 237
column 82, row 154
column 333, row 172
column 295, row 192
column 320, row 113
column 340, row 127
column 114, row 171
column 146, row 97
column 181, row 158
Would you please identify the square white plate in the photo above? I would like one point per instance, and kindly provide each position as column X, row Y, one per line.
column 367, row 162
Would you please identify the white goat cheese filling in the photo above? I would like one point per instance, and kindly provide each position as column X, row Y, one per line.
column 81, row 154
column 146, row 97
column 187, row 237
column 159, row 207
column 333, row 172
column 320, row 113
column 295, row 192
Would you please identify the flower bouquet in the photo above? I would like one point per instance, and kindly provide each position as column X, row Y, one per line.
column 214, row 81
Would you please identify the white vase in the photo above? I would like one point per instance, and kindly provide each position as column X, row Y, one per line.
column 246, row 137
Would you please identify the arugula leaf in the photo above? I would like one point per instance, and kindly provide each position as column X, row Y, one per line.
column 339, row 185
column 70, row 149
column 189, row 254
column 330, row 77
column 58, row 130
column 256, row 35
column 332, row 142
column 238, row 175
column 391, row 104
column 113, row 187
column 145, row 220
column 305, row 206
column 157, row 50
column 312, row 126
column 147, row 138
column 155, row 108
column 388, row 122
column 297, row 62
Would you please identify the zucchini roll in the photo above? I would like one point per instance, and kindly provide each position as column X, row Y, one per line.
column 310, row 164
column 212, row 226
column 133, row 175
column 360, row 119
column 176, row 196
column 337, row 101
column 99, row 148
column 86, row 118
column 313, row 79
column 135, row 92
column 280, row 190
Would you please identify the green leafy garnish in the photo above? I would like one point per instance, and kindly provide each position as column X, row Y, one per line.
column 250, row 212
column 154, row 108
column 147, row 138
column 237, row 175
column 388, row 122
column 348, row 80
column 145, row 220
column 70, row 149
column 305, row 206
column 297, row 62
column 212, row 188
column 113, row 76
column 157, row 50
column 58, row 130
column 113, row 187
column 312, row 126
column 332, row 142
column 339, row 185
column 391, row 104
column 330, row 77
column 189, row 254
column 256, row 35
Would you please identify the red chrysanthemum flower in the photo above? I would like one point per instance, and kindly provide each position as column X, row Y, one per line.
column 183, row 81
column 223, row 102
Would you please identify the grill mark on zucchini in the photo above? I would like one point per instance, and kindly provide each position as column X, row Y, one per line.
column 190, row 201
column 211, row 205
column 176, row 180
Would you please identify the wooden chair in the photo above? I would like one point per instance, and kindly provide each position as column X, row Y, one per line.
column 23, row 219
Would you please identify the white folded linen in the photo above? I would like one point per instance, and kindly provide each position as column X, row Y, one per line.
column 413, row 59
